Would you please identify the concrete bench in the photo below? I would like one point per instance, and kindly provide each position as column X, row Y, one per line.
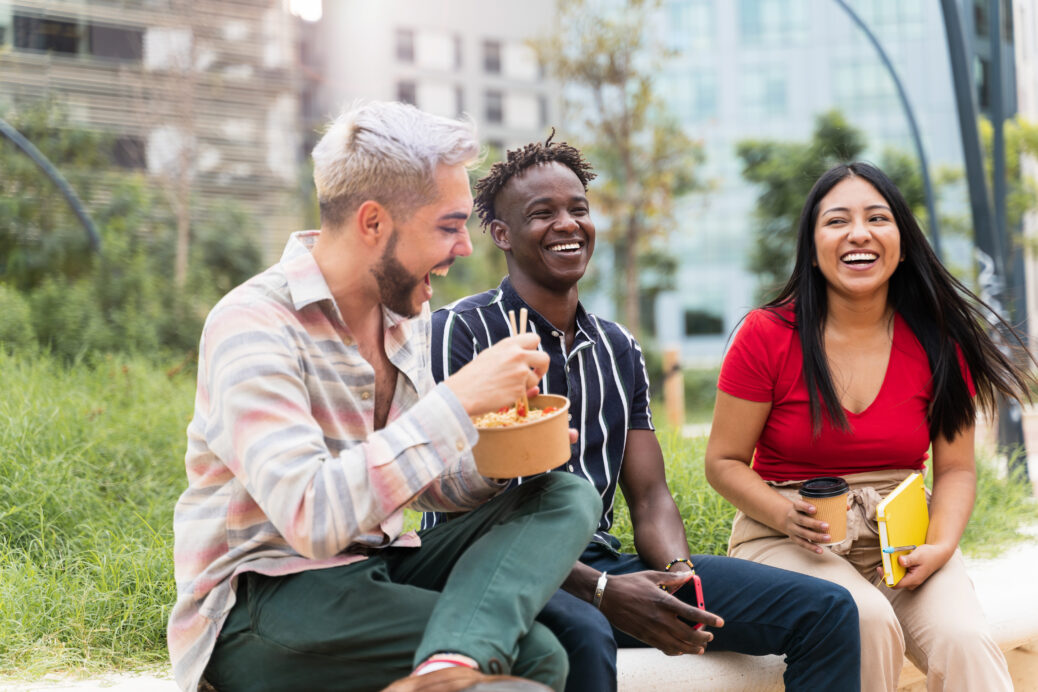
column 1006, row 590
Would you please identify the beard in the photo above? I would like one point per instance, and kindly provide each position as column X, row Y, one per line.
column 395, row 283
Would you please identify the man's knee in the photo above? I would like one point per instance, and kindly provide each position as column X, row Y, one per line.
column 836, row 605
column 541, row 657
column 839, row 604
column 574, row 493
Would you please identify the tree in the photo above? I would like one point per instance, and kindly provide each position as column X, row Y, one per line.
column 124, row 298
column 1021, row 137
column 39, row 234
column 604, row 60
column 785, row 172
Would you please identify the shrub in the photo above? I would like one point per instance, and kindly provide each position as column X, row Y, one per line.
column 16, row 332
column 68, row 320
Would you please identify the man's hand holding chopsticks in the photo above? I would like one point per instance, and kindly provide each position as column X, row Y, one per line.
column 500, row 375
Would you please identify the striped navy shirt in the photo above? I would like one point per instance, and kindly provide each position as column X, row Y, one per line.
column 603, row 375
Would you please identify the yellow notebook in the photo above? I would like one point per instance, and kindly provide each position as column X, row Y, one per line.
column 903, row 520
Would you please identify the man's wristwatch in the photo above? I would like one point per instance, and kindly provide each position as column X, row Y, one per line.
column 599, row 590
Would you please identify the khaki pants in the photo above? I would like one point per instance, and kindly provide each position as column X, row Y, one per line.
column 940, row 626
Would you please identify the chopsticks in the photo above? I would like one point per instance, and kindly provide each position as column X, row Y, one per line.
column 522, row 405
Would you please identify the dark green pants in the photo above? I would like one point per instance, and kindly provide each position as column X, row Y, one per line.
column 474, row 587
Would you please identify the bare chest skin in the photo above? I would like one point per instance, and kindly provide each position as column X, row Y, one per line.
column 858, row 364
column 385, row 380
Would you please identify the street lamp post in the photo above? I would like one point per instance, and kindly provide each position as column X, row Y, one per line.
column 992, row 246
column 935, row 234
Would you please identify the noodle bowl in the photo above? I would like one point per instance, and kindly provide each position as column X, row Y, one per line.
column 508, row 417
column 511, row 445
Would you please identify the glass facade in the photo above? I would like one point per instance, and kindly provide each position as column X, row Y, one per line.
column 765, row 69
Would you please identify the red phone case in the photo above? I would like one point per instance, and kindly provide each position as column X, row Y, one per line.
column 698, row 586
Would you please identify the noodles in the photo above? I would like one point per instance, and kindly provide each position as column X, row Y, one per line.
column 506, row 417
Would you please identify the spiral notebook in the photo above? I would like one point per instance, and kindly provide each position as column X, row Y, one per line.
column 903, row 520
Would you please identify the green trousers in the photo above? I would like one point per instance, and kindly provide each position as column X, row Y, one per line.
column 474, row 588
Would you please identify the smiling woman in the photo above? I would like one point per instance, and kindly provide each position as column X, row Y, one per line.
column 877, row 349
column 857, row 241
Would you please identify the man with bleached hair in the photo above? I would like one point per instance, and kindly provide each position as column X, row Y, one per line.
column 317, row 421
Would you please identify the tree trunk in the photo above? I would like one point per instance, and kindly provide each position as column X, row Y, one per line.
column 183, row 212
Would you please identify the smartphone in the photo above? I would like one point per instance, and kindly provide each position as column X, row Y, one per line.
column 695, row 584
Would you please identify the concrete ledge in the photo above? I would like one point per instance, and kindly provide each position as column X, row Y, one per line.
column 1005, row 588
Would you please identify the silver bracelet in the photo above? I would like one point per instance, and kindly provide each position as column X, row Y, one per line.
column 599, row 590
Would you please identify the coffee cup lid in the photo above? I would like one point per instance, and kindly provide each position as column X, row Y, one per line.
column 827, row 486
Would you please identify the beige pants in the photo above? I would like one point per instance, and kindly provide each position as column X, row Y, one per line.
column 940, row 626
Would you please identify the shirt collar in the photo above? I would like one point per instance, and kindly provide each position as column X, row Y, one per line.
column 585, row 325
column 306, row 284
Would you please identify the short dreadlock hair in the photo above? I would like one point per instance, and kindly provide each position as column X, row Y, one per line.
column 517, row 161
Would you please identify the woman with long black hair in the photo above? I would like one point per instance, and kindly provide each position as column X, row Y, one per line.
column 872, row 357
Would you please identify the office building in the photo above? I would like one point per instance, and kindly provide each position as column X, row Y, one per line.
column 202, row 96
column 764, row 69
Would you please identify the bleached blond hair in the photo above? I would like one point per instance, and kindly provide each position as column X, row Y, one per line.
column 387, row 152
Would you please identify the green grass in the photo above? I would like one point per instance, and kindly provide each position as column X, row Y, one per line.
column 91, row 463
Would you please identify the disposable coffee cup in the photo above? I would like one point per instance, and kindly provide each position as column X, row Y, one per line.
column 829, row 496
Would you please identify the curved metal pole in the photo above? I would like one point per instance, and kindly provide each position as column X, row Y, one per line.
column 51, row 172
column 935, row 233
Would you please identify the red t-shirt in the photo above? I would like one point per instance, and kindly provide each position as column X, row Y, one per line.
column 765, row 363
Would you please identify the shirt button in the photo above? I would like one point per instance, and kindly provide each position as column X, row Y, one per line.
column 460, row 444
column 365, row 395
column 554, row 333
column 570, row 467
column 570, row 416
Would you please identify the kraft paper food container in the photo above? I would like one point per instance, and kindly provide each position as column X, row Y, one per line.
column 525, row 449
column 829, row 496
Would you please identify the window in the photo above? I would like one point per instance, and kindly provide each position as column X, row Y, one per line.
column 863, row 84
column 406, row 92
column 982, row 74
column 128, row 152
column 519, row 61
column 52, row 35
column 116, row 42
column 494, row 107
column 701, row 322
column 405, row 45
column 691, row 94
column 908, row 18
column 434, row 50
column 492, row 57
column 690, row 25
column 764, row 91
column 772, row 22
column 73, row 37
column 522, row 111
column 980, row 17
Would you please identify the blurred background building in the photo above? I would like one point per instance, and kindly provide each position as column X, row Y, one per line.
column 222, row 100
column 203, row 96
column 765, row 69
column 448, row 58
column 1025, row 22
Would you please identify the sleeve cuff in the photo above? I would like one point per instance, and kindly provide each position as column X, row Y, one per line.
column 445, row 422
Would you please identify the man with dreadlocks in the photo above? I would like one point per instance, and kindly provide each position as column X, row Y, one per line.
column 536, row 208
